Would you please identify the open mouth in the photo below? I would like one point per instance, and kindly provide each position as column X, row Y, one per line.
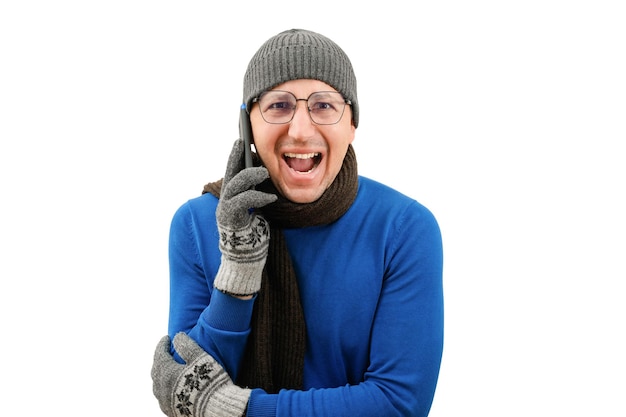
column 303, row 162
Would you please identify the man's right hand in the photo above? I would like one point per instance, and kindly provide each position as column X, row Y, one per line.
column 244, row 235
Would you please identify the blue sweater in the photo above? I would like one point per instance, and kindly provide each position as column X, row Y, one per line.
column 371, row 292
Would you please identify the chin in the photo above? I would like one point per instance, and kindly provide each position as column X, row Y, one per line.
column 303, row 196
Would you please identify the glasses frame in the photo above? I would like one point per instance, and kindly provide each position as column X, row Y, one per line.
column 345, row 100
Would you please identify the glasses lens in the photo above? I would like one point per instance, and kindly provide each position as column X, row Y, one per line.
column 277, row 106
column 326, row 107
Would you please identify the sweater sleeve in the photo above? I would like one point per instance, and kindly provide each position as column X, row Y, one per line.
column 219, row 323
column 406, row 336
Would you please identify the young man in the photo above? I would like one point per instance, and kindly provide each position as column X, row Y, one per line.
column 299, row 287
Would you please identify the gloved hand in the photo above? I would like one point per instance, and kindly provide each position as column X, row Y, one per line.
column 200, row 388
column 244, row 235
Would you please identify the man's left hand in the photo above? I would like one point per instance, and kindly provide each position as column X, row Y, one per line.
column 199, row 388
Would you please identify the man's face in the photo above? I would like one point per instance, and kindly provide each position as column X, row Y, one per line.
column 303, row 158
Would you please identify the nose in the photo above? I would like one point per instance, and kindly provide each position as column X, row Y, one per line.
column 301, row 126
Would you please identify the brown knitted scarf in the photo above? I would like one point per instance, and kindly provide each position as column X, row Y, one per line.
column 274, row 357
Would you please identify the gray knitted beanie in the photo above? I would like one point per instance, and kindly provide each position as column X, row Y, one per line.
column 300, row 54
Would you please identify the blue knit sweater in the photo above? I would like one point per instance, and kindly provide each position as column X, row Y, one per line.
column 371, row 292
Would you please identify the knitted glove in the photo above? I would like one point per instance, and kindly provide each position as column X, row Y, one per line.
column 200, row 388
column 244, row 235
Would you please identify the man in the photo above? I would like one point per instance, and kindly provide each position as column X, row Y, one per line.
column 299, row 287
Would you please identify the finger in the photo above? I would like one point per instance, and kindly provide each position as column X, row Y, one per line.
column 162, row 349
column 244, row 180
column 235, row 161
column 252, row 199
column 187, row 348
column 163, row 362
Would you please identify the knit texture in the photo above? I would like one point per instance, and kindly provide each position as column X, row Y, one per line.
column 244, row 236
column 274, row 357
column 244, row 253
column 300, row 54
column 200, row 387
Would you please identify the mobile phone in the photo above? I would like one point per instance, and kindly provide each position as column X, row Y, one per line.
column 245, row 130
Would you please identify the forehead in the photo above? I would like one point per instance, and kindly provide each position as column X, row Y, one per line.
column 304, row 87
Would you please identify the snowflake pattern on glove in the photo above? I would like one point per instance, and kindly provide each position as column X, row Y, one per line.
column 196, row 380
column 246, row 239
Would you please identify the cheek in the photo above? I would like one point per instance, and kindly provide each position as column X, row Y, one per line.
column 264, row 144
column 260, row 138
column 258, row 126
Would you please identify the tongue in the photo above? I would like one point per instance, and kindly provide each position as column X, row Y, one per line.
column 301, row 165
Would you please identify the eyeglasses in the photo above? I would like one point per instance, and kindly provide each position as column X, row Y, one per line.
column 279, row 107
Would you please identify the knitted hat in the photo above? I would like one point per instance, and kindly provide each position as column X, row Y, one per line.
column 300, row 54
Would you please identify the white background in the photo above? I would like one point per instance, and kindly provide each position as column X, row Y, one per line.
column 506, row 119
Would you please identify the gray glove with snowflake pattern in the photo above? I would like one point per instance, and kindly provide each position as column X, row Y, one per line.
column 244, row 234
column 198, row 388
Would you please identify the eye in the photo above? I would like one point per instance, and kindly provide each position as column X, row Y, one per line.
column 326, row 102
column 277, row 102
column 321, row 106
column 280, row 105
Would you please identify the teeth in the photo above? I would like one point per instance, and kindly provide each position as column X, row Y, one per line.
column 302, row 155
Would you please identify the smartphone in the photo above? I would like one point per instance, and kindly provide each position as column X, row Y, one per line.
column 245, row 130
